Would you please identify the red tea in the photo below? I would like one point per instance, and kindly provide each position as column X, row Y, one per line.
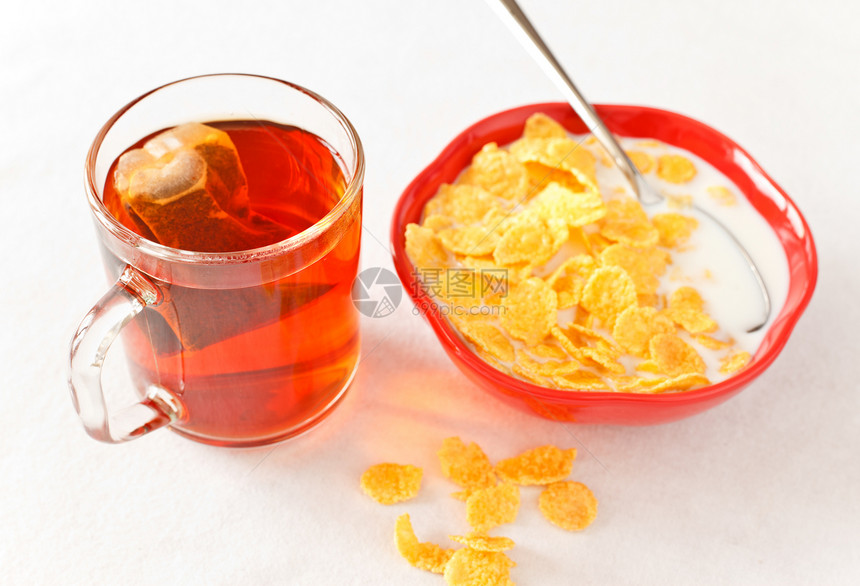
column 252, row 364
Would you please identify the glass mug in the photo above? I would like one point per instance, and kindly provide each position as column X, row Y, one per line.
column 227, row 348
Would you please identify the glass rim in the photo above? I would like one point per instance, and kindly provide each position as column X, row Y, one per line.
column 178, row 255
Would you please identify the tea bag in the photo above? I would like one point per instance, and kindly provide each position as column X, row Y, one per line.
column 187, row 187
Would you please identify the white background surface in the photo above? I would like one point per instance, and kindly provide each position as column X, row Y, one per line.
column 761, row 490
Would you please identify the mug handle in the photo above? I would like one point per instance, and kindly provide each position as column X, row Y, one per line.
column 127, row 297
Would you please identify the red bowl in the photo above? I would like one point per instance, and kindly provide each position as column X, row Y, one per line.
column 636, row 121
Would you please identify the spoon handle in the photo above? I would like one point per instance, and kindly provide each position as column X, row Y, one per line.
column 519, row 24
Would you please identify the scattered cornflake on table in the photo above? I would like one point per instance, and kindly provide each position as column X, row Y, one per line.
column 466, row 465
column 482, row 562
column 569, row 505
column 471, row 567
column 542, row 465
column 424, row 556
column 391, row 483
column 493, row 506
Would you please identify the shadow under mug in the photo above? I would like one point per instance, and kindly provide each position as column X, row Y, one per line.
column 238, row 348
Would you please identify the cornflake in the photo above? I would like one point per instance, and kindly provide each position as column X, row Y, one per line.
column 722, row 195
column 532, row 239
column 493, row 506
column 391, row 483
column 424, row 556
column 462, row 204
column 686, row 308
column 470, row 567
column 643, row 161
column 424, row 248
column 486, row 337
column 482, row 562
column 627, row 222
column 635, row 327
column 466, row 465
column 675, row 169
column 575, row 208
column 498, row 172
column 531, row 311
column 673, row 356
column 542, row 465
column 734, row 362
column 569, row 505
column 675, row 229
column 608, row 291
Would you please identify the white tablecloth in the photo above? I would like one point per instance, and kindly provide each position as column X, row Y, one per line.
column 761, row 490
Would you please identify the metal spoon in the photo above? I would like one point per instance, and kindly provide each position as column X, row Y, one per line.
column 513, row 16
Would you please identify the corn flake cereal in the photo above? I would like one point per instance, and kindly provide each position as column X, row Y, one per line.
column 558, row 153
column 722, row 195
column 542, row 465
column 643, row 265
column 686, row 308
column 486, row 337
column 542, row 126
column 635, row 327
column 569, row 279
column 673, row 356
column 498, row 172
column 581, row 380
column 675, row 169
column 675, row 229
column 461, row 204
column 682, row 382
column 391, row 483
column 569, row 505
column 424, row 248
column 536, row 368
column 473, row 240
column 483, row 542
column 608, row 291
column 569, row 282
column 627, row 222
column 577, row 208
column 470, row 567
column 734, row 362
column 466, row 465
column 531, row 239
column 424, row 556
column 548, row 351
column 530, row 311
column 482, row 562
column 711, row 342
column 492, row 506
column 643, row 161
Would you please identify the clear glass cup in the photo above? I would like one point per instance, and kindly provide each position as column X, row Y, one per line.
column 236, row 348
